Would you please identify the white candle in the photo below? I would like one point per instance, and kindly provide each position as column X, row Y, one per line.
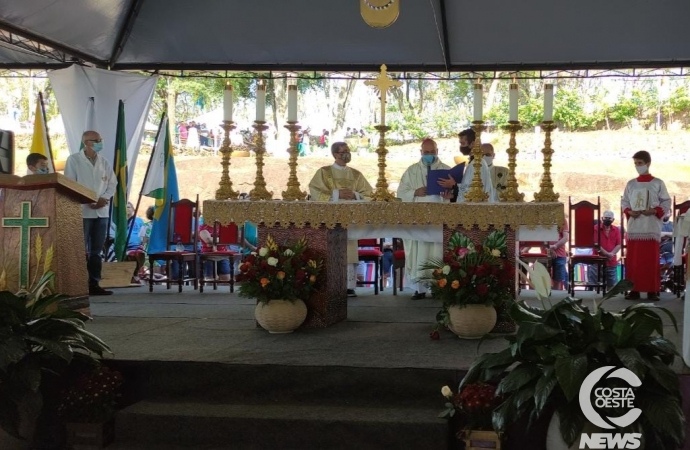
column 227, row 102
column 478, row 102
column 261, row 103
column 292, row 103
column 513, row 97
column 548, row 102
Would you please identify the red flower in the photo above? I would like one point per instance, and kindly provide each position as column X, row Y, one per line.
column 435, row 335
column 300, row 274
column 482, row 289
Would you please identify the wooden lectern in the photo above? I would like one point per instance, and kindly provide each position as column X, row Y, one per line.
column 41, row 230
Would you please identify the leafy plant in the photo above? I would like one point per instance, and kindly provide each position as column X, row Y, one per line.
column 38, row 339
column 475, row 403
column 280, row 272
column 92, row 397
column 556, row 347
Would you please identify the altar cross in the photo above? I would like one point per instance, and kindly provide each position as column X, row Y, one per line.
column 25, row 222
column 383, row 84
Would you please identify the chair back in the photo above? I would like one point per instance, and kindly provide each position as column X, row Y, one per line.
column 583, row 216
column 368, row 243
column 226, row 234
column 183, row 222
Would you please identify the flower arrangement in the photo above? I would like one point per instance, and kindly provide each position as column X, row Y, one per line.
column 474, row 402
column 280, row 272
column 93, row 397
column 471, row 274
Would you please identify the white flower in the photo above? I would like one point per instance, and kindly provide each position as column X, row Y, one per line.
column 263, row 251
column 272, row 261
column 445, row 390
column 288, row 252
column 445, row 270
column 495, row 252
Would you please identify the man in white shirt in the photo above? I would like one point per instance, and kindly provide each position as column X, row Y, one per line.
column 93, row 171
column 36, row 164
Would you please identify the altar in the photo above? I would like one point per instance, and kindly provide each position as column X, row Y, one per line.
column 328, row 226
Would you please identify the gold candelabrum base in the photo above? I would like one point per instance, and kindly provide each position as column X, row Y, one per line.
column 225, row 191
column 546, row 193
column 382, row 194
column 293, row 191
column 476, row 192
column 511, row 193
column 259, row 192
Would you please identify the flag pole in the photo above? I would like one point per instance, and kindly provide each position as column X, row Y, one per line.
column 45, row 124
column 143, row 183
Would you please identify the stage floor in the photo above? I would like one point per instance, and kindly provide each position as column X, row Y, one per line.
column 381, row 330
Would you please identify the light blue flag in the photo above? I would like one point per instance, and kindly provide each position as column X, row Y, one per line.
column 159, row 231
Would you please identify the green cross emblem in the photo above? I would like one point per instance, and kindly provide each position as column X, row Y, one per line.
column 25, row 222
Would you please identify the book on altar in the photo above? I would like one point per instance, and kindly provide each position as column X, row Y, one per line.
column 432, row 186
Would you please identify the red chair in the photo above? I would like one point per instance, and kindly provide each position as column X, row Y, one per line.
column 372, row 253
column 223, row 236
column 582, row 219
column 680, row 271
column 182, row 224
column 398, row 264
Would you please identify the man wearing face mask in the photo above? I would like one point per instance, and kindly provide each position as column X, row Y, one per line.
column 609, row 237
column 412, row 188
column 37, row 164
column 93, row 171
column 467, row 138
column 499, row 174
column 645, row 201
column 338, row 182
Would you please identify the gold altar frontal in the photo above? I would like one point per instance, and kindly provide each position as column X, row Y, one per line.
column 325, row 225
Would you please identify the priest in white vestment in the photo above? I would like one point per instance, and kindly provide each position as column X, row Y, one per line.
column 412, row 188
column 338, row 182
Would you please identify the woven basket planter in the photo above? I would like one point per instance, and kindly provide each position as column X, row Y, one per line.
column 280, row 316
column 472, row 321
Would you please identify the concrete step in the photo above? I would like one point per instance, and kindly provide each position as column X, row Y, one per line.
column 278, row 426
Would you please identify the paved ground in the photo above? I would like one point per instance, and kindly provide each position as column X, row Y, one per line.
column 381, row 331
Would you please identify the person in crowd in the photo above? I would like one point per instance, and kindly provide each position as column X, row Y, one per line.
column 36, row 164
column 94, row 172
column 339, row 182
column 222, row 266
column 666, row 243
column 413, row 188
column 145, row 236
column 499, row 174
column 559, row 258
column 609, row 237
column 184, row 133
column 135, row 248
column 466, row 139
column 645, row 202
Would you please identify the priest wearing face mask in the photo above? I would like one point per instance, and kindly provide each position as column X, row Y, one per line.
column 412, row 188
column 467, row 138
column 92, row 170
column 499, row 174
column 645, row 201
column 338, row 182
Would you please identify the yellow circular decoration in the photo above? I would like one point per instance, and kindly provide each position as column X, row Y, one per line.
column 379, row 13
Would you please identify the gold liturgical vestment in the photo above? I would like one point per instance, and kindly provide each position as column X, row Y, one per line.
column 324, row 187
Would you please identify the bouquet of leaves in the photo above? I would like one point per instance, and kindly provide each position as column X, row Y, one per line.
column 280, row 272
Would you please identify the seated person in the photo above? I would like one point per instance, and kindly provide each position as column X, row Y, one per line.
column 222, row 266
column 145, row 236
column 135, row 249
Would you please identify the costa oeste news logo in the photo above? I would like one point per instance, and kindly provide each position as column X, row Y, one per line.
column 605, row 397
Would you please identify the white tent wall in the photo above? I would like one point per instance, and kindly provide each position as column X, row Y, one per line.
column 75, row 85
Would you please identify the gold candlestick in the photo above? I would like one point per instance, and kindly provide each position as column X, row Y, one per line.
column 476, row 192
column 293, row 191
column 546, row 193
column 259, row 192
column 225, row 191
column 511, row 193
column 382, row 194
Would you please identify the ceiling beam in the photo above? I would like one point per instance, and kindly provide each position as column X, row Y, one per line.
column 444, row 29
column 125, row 31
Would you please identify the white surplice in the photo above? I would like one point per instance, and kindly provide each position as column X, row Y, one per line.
column 487, row 182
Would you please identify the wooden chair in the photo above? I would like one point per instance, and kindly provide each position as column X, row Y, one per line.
column 680, row 271
column 372, row 252
column 583, row 216
column 223, row 236
column 532, row 252
column 182, row 224
column 398, row 264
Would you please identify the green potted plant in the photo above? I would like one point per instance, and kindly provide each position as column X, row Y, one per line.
column 557, row 346
column 281, row 278
column 38, row 340
column 471, row 281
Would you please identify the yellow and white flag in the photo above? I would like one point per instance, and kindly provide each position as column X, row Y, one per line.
column 40, row 142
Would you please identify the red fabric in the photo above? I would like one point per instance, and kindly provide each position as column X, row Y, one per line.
column 642, row 265
column 659, row 212
column 399, row 254
column 182, row 226
column 610, row 242
column 584, row 218
column 645, row 179
column 368, row 243
column 228, row 234
column 369, row 253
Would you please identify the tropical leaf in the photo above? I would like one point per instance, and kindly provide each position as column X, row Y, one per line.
column 3, row 280
column 632, row 359
column 518, row 377
column 572, row 422
column 543, row 388
column 665, row 415
column 571, row 371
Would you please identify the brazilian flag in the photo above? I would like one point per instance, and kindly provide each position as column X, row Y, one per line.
column 120, row 198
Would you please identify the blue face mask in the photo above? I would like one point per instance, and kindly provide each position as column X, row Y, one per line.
column 42, row 170
column 428, row 159
column 97, row 146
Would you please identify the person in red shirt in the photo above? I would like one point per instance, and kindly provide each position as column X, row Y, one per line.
column 609, row 237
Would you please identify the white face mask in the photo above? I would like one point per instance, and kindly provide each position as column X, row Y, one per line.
column 641, row 169
column 489, row 160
